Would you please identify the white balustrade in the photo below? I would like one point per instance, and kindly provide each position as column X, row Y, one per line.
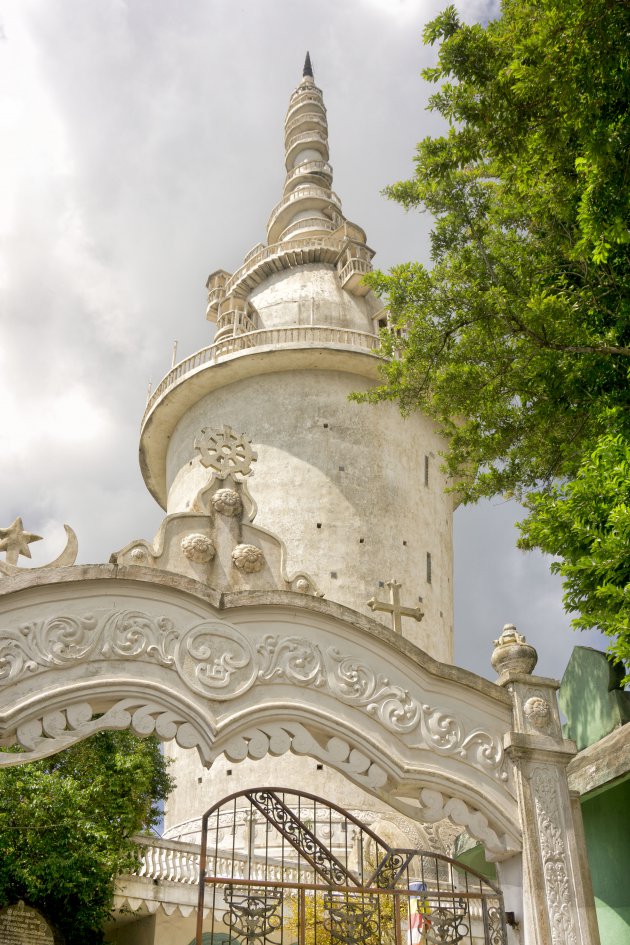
column 307, row 137
column 291, row 335
column 176, row 862
column 294, row 123
column 303, row 193
column 354, row 266
column 277, row 251
column 309, row 223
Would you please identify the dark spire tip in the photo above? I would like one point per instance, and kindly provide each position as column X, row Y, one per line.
column 308, row 69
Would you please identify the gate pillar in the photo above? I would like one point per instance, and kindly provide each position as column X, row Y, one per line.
column 558, row 905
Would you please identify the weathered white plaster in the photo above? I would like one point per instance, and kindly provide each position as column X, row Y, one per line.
column 276, row 673
column 379, row 496
column 312, row 295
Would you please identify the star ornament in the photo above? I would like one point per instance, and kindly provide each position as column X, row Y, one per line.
column 15, row 541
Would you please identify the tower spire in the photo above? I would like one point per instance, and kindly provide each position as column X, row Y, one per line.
column 308, row 206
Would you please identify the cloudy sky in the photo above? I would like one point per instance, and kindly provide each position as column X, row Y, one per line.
column 142, row 149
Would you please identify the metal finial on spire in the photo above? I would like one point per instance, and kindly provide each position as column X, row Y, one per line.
column 308, row 69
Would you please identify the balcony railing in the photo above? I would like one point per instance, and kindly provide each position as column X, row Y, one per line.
column 308, row 223
column 266, row 337
column 274, row 249
column 314, row 118
column 309, row 192
column 303, row 96
column 354, row 267
column 176, row 862
column 173, row 861
column 309, row 169
column 314, row 138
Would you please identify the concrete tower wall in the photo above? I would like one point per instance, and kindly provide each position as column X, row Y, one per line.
column 354, row 491
column 312, row 295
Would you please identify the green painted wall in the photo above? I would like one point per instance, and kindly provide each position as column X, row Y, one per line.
column 607, row 829
column 591, row 696
column 475, row 858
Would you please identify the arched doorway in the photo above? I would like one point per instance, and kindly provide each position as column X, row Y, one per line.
column 284, row 867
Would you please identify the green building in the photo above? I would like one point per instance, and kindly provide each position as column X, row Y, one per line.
column 597, row 710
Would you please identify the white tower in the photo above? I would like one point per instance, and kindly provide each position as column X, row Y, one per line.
column 354, row 491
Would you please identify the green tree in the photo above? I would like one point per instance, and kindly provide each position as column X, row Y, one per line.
column 66, row 825
column 517, row 339
column 587, row 522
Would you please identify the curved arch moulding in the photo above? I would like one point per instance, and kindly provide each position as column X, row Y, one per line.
column 249, row 674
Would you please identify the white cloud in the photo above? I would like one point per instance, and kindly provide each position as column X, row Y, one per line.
column 141, row 149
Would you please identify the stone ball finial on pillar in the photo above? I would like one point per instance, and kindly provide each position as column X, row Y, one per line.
column 512, row 653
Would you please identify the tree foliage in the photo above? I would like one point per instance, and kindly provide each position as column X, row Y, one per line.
column 587, row 521
column 517, row 339
column 66, row 825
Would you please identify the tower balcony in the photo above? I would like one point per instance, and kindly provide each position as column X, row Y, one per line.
column 296, row 347
column 305, row 97
column 283, row 255
column 351, row 275
column 308, row 225
column 216, row 291
column 318, row 173
column 299, row 200
column 307, row 140
column 307, row 121
column 235, row 318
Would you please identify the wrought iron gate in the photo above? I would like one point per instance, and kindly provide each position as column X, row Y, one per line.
column 282, row 867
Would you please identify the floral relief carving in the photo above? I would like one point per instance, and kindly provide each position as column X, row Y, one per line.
column 537, row 711
column 198, row 548
column 355, row 683
column 219, row 662
column 554, row 857
column 248, row 558
column 227, row 502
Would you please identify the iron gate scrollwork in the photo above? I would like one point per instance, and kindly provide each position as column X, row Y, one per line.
column 282, row 867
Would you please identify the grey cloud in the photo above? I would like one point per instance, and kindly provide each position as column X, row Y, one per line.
column 170, row 118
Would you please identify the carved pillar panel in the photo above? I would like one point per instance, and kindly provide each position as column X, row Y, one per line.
column 558, row 907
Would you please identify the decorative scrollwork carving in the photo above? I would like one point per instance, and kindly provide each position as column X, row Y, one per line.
column 436, row 806
column 275, row 739
column 53, row 731
column 350, row 920
column 211, row 657
column 301, row 837
column 252, row 914
column 217, row 660
column 496, row 923
column 300, row 661
column 63, row 640
column 554, row 856
column 447, row 926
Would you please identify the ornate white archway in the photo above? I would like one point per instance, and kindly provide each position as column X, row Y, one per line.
column 250, row 674
column 84, row 649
